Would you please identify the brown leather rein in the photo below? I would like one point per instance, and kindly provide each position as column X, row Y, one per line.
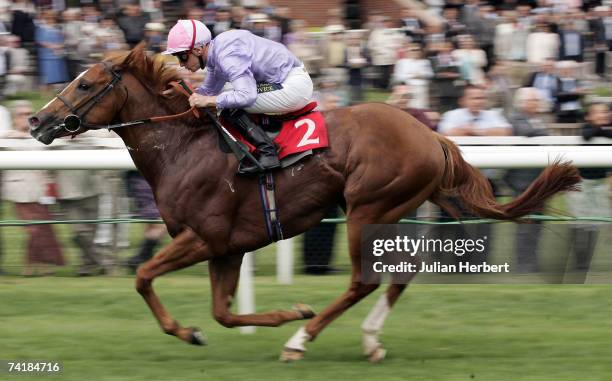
column 181, row 88
column 73, row 122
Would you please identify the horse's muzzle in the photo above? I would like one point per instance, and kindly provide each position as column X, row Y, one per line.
column 34, row 123
column 39, row 131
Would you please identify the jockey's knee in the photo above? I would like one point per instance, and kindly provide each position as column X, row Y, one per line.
column 224, row 318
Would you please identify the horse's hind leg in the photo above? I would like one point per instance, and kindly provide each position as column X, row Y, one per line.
column 224, row 274
column 185, row 250
column 382, row 212
column 373, row 323
column 294, row 348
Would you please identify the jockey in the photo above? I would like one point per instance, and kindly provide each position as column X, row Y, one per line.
column 265, row 76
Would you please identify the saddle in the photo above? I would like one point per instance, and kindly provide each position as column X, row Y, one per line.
column 296, row 134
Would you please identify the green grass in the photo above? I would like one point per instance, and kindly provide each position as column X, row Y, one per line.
column 102, row 330
column 603, row 91
column 38, row 98
column 374, row 95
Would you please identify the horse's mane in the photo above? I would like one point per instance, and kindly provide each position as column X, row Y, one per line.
column 152, row 72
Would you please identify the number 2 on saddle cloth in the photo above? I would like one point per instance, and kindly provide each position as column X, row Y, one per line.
column 294, row 133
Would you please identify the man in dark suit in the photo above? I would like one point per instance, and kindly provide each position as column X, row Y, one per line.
column 572, row 43
column 412, row 25
column 447, row 84
column 546, row 81
column 601, row 31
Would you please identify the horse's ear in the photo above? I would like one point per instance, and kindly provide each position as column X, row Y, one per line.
column 137, row 56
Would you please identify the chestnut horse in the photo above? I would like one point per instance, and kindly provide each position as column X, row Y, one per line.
column 381, row 164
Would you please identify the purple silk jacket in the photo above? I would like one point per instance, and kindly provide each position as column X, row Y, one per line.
column 244, row 59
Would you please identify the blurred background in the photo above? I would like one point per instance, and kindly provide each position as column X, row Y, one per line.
column 473, row 68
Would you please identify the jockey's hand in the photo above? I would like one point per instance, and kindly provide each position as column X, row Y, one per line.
column 197, row 100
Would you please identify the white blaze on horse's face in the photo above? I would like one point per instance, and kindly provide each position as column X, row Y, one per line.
column 48, row 103
column 62, row 92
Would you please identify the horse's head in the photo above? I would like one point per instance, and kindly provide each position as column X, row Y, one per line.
column 100, row 97
column 91, row 101
column 95, row 98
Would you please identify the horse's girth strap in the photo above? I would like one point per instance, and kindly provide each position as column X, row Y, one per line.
column 268, row 200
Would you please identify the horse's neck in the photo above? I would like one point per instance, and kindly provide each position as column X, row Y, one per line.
column 159, row 147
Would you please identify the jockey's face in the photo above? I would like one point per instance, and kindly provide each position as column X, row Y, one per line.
column 191, row 60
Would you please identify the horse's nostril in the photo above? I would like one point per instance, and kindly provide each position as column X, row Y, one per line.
column 34, row 122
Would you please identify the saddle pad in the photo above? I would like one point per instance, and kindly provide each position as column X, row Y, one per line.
column 300, row 134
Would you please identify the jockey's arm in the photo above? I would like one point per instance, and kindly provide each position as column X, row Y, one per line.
column 205, row 95
column 243, row 94
column 234, row 64
column 212, row 85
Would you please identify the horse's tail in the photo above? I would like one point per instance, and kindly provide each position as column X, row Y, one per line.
column 465, row 183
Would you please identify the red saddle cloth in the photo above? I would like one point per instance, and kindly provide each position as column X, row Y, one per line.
column 300, row 131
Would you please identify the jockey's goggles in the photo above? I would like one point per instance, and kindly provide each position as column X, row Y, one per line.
column 182, row 56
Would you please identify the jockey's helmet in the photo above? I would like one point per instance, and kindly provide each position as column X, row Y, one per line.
column 186, row 35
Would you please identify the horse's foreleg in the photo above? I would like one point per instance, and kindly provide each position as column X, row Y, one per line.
column 294, row 348
column 224, row 274
column 373, row 323
column 185, row 250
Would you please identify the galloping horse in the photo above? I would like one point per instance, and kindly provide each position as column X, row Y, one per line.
column 380, row 165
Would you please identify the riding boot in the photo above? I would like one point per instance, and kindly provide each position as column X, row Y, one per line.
column 268, row 157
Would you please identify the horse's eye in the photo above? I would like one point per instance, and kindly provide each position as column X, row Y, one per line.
column 84, row 86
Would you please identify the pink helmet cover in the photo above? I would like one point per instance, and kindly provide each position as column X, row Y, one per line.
column 185, row 35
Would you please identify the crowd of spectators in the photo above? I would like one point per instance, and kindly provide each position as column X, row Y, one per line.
column 433, row 51
column 462, row 68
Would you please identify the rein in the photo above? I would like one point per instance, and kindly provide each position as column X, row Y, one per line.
column 193, row 110
column 73, row 122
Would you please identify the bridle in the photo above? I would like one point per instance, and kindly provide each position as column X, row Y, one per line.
column 73, row 122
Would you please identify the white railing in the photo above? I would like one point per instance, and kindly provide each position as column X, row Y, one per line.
column 482, row 152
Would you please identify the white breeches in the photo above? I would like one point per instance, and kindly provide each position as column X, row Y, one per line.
column 295, row 94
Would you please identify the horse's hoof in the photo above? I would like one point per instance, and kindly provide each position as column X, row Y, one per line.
column 305, row 310
column 197, row 337
column 291, row 355
column 377, row 355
